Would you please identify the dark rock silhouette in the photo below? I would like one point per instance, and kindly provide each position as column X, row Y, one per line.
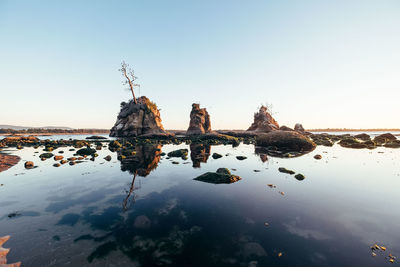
column 263, row 121
column 135, row 119
column 199, row 121
column 299, row 128
column 199, row 153
column 285, row 141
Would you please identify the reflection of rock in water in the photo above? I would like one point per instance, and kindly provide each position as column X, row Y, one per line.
column 264, row 152
column 260, row 151
column 4, row 252
column 199, row 153
column 141, row 160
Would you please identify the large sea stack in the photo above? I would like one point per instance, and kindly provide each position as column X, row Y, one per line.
column 263, row 121
column 199, row 121
column 135, row 119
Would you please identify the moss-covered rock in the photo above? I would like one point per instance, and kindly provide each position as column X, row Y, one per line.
column 221, row 176
column 86, row 151
column 46, row 155
column 180, row 153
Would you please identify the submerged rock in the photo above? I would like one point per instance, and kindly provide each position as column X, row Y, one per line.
column 285, row 141
column 199, row 121
column 135, row 119
column 221, row 176
column 263, row 121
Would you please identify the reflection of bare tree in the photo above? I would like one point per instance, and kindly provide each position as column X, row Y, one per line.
column 199, row 153
column 125, row 203
column 140, row 160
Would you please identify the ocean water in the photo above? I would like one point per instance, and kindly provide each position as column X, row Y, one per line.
column 150, row 212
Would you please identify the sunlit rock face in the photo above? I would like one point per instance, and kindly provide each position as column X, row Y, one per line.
column 138, row 119
column 263, row 121
column 199, row 121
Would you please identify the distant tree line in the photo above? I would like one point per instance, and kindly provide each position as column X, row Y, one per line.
column 53, row 131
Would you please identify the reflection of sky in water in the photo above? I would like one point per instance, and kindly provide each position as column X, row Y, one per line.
column 74, row 214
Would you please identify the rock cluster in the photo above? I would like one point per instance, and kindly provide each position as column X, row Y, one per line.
column 263, row 121
column 135, row 119
column 199, row 121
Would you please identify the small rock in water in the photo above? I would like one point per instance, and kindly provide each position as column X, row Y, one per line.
column 282, row 193
column 299, row 177
column 58, row 157
column 284, row 170
column 256, row 170
column 373, row 254
column 63, row 161
column 13, row 214
column 272, row 186
column 72, row 163
column 241, row 157
column 175, row 162
column 108, row 158
column 56, row 164
column 216, row 156
column 266, row 224
column 29, row 165
column 317, row 156
column 280, row 254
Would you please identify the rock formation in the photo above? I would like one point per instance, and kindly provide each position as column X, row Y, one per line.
column 263, row 121
column 285, row 141
column 299, row 128
column 138, row 119
column 199, row 121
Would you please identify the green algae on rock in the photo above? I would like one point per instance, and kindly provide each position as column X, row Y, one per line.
column 221, row 176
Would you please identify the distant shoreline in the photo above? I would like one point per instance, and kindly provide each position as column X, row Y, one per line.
column 352, row 130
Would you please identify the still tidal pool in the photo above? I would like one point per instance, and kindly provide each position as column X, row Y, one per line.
column 150, row 211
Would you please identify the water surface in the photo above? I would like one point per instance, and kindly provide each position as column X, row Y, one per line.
column 152, row 213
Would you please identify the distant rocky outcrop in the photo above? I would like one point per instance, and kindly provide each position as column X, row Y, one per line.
column 199, row 121
column 299, row 128
column 263, row 121
column 136, row 119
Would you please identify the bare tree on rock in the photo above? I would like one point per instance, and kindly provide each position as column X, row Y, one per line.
column 130, row 77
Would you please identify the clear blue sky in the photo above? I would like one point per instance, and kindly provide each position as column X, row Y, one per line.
column 321, row 63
